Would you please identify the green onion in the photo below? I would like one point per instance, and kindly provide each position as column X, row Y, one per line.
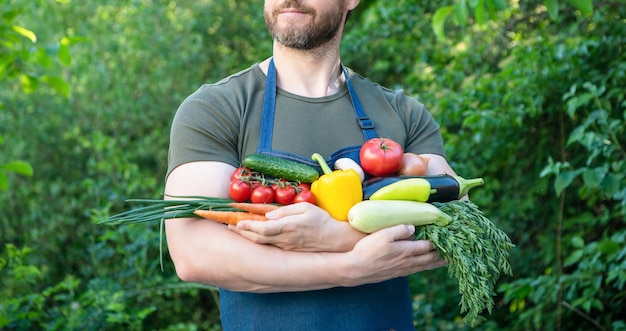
column 158, row 210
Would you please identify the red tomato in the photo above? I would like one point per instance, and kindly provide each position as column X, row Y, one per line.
column 262, row 194
column 305, row 196
column 241, row 173
column 255, row 184
column 279, row 183
column 381, row 156
column 285, row 194
column 304, row 187
column 239, row 190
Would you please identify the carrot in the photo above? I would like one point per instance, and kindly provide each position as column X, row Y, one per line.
column 254, row 208
column 228, row 217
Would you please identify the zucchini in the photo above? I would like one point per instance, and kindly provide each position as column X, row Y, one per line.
column 281, row 168
column 372, row 215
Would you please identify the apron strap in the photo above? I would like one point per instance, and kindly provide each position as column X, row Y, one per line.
column 367, row 126
column 269, row 103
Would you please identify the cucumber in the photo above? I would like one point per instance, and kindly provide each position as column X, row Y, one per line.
column 281, row 168
column 372, row 215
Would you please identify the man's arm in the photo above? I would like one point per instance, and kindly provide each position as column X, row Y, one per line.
column 438, row 165
column 208, row 252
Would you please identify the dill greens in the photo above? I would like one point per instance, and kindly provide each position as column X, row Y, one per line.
column 476, row 253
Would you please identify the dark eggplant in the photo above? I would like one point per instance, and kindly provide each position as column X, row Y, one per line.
column 444, row 188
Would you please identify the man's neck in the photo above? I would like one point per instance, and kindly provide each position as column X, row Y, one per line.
column 312, row 74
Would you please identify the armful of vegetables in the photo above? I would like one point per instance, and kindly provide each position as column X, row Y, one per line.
column 475, row 250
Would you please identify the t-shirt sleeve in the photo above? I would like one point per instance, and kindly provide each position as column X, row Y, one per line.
column 203, row 129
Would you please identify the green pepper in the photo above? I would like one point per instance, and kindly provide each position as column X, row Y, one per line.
column 336, row 191
column 416, row 189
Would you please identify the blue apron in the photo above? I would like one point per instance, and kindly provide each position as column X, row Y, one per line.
column 382, row 306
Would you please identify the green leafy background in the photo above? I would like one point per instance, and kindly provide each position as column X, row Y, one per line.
column 529, row 94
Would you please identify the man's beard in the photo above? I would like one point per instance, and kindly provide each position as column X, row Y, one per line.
column 322, row 29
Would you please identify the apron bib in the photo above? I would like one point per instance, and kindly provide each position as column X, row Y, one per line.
column 267, row 124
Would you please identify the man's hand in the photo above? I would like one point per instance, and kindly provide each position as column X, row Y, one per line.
column 301, row 227
column 390, row 253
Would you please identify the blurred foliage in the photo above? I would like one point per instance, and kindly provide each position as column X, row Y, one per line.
column 531, row 101
column 536, row 107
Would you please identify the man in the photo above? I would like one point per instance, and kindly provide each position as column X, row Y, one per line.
column 303, row 270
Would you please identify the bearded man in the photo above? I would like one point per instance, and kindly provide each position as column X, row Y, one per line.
column 302, row 269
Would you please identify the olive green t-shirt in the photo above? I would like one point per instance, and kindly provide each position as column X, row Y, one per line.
column 222, row 121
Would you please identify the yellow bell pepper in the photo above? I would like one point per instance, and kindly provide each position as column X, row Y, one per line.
column 336, row 191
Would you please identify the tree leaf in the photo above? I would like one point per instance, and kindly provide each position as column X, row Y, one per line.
column 479, row 12
column 439, row 20
column 4, row 182
column 593, row 177
column 26, row 33
column 612, row 184
column 9, row 15
column 563, row 180
column 574, row 258
column 608, row 246
column 491, row 7
column 501, row 4
column 58, row 84
column 578, row 242
column 553, row 8
column 18, row 167
column 42, row 58
column 64, row 55
column 461, row 13
column 29, row 83
column 585, row 6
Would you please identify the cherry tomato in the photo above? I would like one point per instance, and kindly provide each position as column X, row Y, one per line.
column 239, row 190
column 262, row 194
column 414, row 165
column 241, row 173
column 279, row 183
column 285, row 194
column 304, row 187
column 305, row 196
column 255, row 184
column 381, row 156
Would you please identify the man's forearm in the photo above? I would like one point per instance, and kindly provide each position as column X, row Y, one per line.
column 208, row 253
